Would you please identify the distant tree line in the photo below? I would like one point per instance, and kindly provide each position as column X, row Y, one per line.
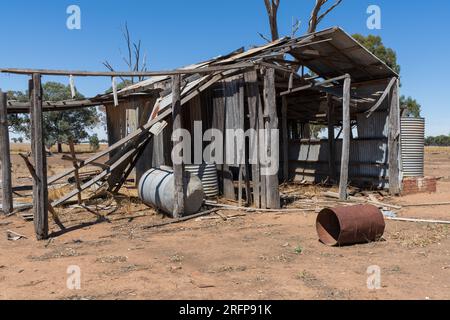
column 439, row 141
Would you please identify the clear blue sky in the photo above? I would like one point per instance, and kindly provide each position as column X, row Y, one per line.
column 180, row 32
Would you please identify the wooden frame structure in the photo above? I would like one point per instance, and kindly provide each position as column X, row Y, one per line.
column 244, row 90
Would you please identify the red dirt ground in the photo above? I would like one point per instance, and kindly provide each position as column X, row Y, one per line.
column 256, row 256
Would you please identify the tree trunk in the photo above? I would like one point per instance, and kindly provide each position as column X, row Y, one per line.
column 60, row 150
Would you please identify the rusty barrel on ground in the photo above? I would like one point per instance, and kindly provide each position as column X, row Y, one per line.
column 343, row 226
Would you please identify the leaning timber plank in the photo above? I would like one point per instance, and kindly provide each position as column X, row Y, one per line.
column 382, row 98
column 96, row 179
column 116, row 145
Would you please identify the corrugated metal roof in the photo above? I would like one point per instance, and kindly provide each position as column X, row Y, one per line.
column 329, row 53
column 339, row 55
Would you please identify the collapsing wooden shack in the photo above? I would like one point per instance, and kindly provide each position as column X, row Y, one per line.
column 325, row 80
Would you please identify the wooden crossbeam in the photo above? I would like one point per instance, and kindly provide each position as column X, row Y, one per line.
column 203, row 70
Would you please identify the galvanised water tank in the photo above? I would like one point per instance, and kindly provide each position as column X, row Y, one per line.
column 157, row 189
column 413, row 146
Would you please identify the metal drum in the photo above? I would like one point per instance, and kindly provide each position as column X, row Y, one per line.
column 208, row 175
column 413, row 146
column 157, row 189
column 343, row 226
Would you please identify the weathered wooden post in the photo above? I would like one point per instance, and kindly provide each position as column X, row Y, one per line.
column 394, row 141
column 40, row 191
column 5, row 156
column 272, row 182
column 331, row 138
column 346, row 139
column 178, row 169
column 251, row 81
column 284, row 115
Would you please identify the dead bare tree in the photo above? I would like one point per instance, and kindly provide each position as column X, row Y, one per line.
column 317, row 16
column 272, row 11
column 134, row 60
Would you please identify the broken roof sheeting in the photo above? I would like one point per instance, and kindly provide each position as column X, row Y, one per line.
column 329, row 53
column 340, row 55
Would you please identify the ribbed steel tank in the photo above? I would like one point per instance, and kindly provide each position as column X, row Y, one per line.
column 208, row 175
column 157, row 189
column 413, row 146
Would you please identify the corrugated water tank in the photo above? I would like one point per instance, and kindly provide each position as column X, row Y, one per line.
column 413, row 146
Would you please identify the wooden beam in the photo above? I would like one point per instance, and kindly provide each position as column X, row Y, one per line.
column 331, row 138
column 202, row 70
column 312, row 85
column 5, row 157
column 15, row 107
column 251, row 82
column 382, row 98
column 346, row 140
column 272, row 183
column 394, row 141
column 178, row 169
column 40, row 191
column 285, row 139
column 76, row 167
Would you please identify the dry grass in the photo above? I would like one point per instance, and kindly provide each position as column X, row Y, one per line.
column 437, row 150
column 17, row 148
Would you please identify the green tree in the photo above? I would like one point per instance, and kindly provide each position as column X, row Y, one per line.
column 411, row 106
column 59, row 126
column 94, row 142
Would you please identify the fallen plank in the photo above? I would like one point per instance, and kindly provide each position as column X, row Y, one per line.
column 419, row 220
column 173, row 221
column 334, row 195
column 426, row 204
column 225, row 206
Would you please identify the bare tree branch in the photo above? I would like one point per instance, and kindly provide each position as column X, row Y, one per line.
column 272, row 12
column 133, row 58
column 110, row 68
column 264, row 37
column 317, row 17
column 295, row 27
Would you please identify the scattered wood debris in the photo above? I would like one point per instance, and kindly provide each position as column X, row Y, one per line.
column 14, row 236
